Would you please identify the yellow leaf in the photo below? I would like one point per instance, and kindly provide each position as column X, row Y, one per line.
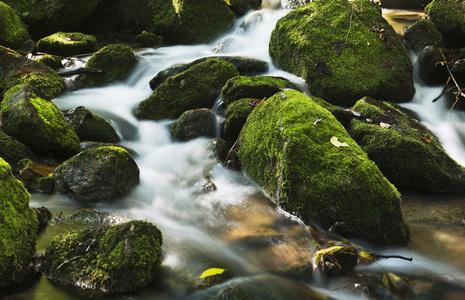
column 211, row 272
column 366, row 254
column 227, row 1
column 336, row 142
column 319, row 254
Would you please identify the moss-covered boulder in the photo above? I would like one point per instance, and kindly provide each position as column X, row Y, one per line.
column 90, row 127
column 67, row 43
column 191, row 21
column 16, row 69
column 449, row 18
column 53, row 62
column 421, row 34
column 257, row 87
column 149, row 39
column 236, row 115
column 193, row 124
column 12, row 151
column 116, row 62
column 345, row 51
column 18, row 228
column 306, row 161
column 406, row 152
column 13, row 32
column 197, row 87
column 51, row 16
column 241, row 7
column 37, row 123
column 108, row 258
column 245, row 66
column 112, row 175
column 429, row 69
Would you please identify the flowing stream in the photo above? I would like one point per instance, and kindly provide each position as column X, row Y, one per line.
column 197, row 226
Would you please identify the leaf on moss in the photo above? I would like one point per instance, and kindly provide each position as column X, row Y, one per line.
column 227, row 1
column 427, row 139
column 211, row 272
column 334, row 140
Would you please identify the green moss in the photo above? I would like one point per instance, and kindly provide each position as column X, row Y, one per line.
column 343, row 59
column 196, row 87
column 149, row 39
column 449, row 18
column 13, row 151
column 236, row 116
column 67, row 43
column 48, row 86
column 51, row 61
column 421, row 34
column 13, row 32
column 111, row 258
column 18, row 228
column 286, row 149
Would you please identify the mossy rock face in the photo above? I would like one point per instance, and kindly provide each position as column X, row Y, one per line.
column 236, row 116
column 197, row 87
column 430, row 71
column 149, row 39
column 18, row 228
column 51, row 16
column 67, row 43
column 116, row 62
column 288, row 148
column 406, row 152
column 90, row 127
column 421, row 34
column 16, row 69
column 241, row 7
column 191, row 21
column 193, row 124
column 13, row 32
column 13, row 150
column 345, row 51
column 257, row 87
column 51, row 61
column 37, row 123
column 245, row 66
column 108, row 258
column 449, row 18
column 112, row 175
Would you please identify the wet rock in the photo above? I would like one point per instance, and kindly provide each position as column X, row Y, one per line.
column 12, row 151
column 421, row 34
column 334, row 59
column 90, row 127
column 18, row 228
column 448, row 17
column 236, row 116
column 285, row 152
column 149, row 39
column 245, row 66
column 257, row 87
column 37, row 123
column 205, row 184
column 107, row 258
column 196, row 87
column 291, row 4
column 430, row 71
column 241, row 7
column 58, row 15
column 193, row 124
column 51, row 61
column 16, row 69
column 406, row 152
column 37, row 176
column 87, row 216
column 67, row 44
column 13, row 32
column 113, row 174
column 43, row 216
column 217, row 149
column 116, row 62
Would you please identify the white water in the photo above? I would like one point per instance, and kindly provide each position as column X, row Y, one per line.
column 194, row 225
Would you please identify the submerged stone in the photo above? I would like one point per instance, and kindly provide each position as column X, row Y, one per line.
column 13, row 32
column 37, row 123
column 406, row 152
column 345, row 51
column 112, row 175
column 316, row 171
column 107, row 258
column 18, row 228
column 67, row 44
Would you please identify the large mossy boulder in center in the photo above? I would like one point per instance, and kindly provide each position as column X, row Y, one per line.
column 100, row 174
column 16, row 69
column 18, row 228
column 191, row 21
column 306, row 161
column 13, row 32
column 108, row 258
column 406, row 152
column 50, row 16
column 345, row 51
column 37, row 123
column 449, row 18
column 197, row 87
column 67, row 44
column 115, row 61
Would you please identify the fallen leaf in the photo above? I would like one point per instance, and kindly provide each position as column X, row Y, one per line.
column 227, row 1
column 336, row 142
column 211, row 272
column 427, row 139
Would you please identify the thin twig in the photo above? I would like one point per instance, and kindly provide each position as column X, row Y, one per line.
column 350, row 24
column 459, row 90
column 68, row 260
